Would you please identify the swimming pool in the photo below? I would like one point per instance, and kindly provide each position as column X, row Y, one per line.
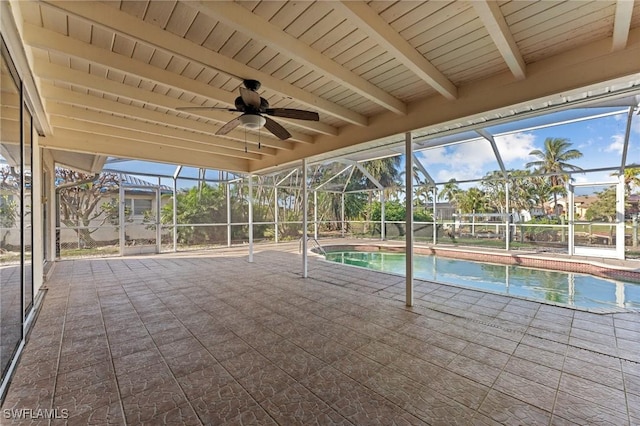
column 565, row 288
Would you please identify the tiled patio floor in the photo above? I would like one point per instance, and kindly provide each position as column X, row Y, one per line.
column 208, row 338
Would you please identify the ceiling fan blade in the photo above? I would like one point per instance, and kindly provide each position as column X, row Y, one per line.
column 298, row 114
column 250, row 97
column 275, row 128
column 195, row 108
column 229, row 126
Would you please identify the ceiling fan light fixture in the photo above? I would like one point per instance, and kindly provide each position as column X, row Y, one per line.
column 252, row 121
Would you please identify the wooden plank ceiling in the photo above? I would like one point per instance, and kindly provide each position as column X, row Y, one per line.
column 111, row 74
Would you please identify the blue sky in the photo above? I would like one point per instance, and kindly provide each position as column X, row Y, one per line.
column 600, row 140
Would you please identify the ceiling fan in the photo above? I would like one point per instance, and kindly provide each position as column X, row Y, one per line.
column 255, row 110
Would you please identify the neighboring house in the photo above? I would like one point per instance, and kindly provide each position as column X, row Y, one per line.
column 581, row 204
column 445, row 211
column 140, row 203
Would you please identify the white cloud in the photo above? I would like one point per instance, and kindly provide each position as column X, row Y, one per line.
column 635, row 124
column 516, row 147
column 616, row 145
column 474, row 159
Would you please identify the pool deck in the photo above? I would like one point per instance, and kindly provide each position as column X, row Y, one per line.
column 209, row 338
column 631, row 265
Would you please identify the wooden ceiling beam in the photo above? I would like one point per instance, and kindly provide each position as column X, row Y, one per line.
column 134, row 137
column 379, row 30
column 116, row 146
column 243, row 20
column 552, row 79
column 622, row 24
column 10, row 20
column 48, row 71
column 108, row 17
column 52, row 41
column 85, row 100
column 489, row 13
column 162, row 134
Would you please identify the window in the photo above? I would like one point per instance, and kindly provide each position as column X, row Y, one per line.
column 141, row 205
column 138, row 206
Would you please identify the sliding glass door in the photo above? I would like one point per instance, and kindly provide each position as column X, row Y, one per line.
column 12, row 249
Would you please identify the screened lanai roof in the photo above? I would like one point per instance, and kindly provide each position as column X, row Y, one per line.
column 112, row 75
column 611, row 129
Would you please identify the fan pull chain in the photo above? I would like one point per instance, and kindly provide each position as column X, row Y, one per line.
column 245, row 140
column 258, row 138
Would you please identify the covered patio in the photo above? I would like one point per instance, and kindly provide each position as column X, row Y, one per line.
column 259, row 336
column 207, row 338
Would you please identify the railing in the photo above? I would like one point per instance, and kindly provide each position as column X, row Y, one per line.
column 313, row 240
column 104, row 240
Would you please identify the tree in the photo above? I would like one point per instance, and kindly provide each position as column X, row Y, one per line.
column 540, row 191
column 450, row 192
column 604, row 208
column 387, row 173
column 631, row 179
column 80, row 204
column 473, row 200
column 198, row 205
column 554, row 162
column 424, row 194
column 385, row 170
column 9, row 209
column 493, row 186
column 8, row 218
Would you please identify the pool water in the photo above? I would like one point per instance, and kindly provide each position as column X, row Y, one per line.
column 566, row 288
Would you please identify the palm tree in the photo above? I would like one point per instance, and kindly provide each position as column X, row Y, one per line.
column 631, row 178
column 474, row 200
column 387, row 172
column 450, row 192
column 493, row 185
column 553, row 161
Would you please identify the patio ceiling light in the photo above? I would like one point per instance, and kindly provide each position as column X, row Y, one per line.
column 252, row 121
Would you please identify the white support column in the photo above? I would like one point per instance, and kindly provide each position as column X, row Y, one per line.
column 228, row 214
column 175, row 208
column 39, row 239
column 275, row 211
column 383, row 201
column 620, row 217
column 250, row 218
column 175, row 214
column 435, row 217
column 571, row 216
column 409, row 218
column 507, row 232
column 51, row 204
column 121, row 218
column 158, row 224
column 315, row 215
column 342, row 224
column 305, row 267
